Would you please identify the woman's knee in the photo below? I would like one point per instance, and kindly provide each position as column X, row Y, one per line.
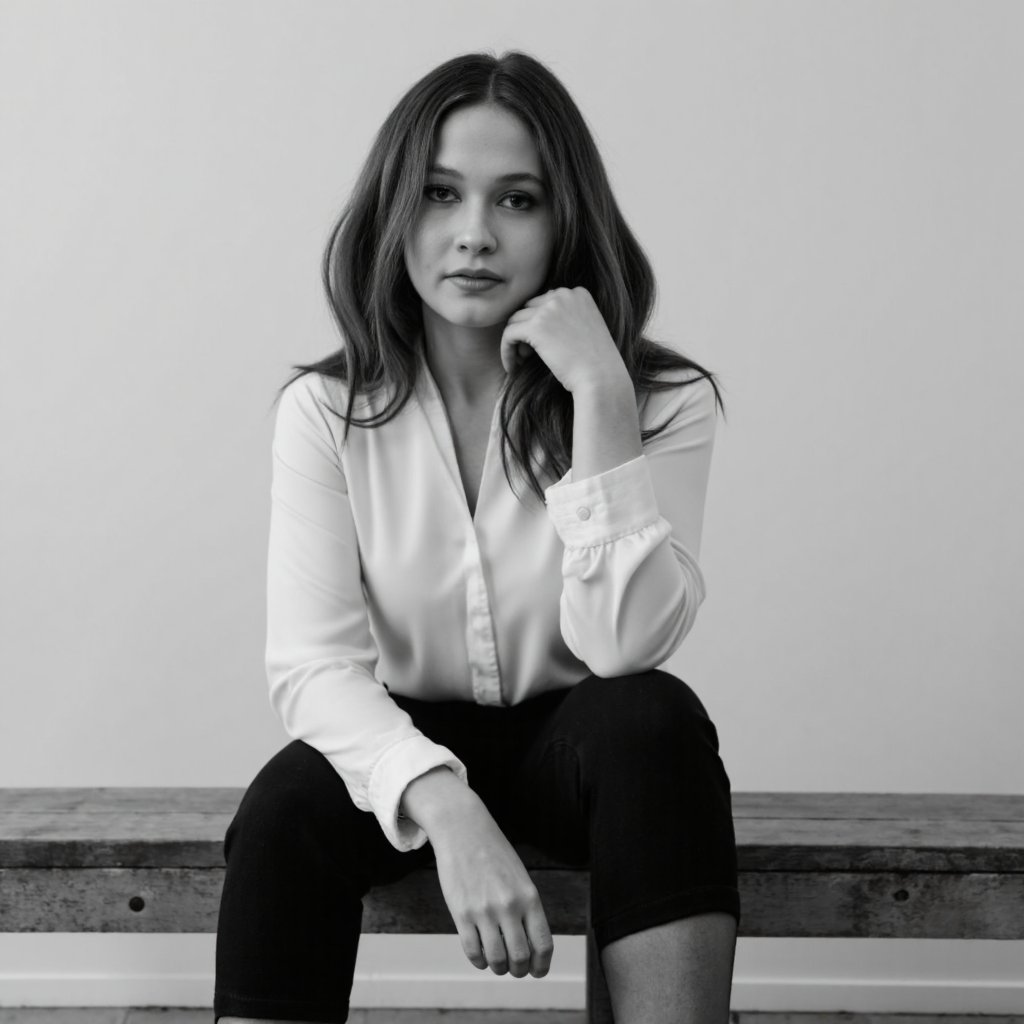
column 297, row 817
column 295, row 792
column 644, row 713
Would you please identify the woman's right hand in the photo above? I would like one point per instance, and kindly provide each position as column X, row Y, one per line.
column 492, row 899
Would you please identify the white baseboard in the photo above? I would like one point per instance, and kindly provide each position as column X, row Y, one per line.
column 872, row 995
column 168, row 970
column 564, row 994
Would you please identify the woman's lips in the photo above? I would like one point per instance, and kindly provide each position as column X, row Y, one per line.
column 473, row 284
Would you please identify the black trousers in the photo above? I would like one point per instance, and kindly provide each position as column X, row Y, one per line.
column 621, row 774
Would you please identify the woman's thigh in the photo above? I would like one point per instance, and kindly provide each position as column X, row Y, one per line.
column 544, row 766
column 624, row 774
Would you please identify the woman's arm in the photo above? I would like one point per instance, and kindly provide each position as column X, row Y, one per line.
column 630, row 522
column 320, row 653
column 606, row 426
column 632, row 584
column 320, row 663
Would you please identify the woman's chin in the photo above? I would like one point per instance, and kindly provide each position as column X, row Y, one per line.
column 482, row 318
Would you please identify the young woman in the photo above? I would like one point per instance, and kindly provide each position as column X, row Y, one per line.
column 463, row 663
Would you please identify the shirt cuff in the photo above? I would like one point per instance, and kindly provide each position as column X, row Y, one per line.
column 397, row 767
column 601, row 508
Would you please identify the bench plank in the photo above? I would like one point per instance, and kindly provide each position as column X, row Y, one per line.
column 161, row 827
column 881, row 806
column 216, row 800
column 776, row 903
column 761, row 846
column 811, row 864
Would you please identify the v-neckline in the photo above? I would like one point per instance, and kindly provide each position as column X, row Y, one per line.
column 446, row 439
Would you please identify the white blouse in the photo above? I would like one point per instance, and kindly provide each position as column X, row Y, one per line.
column 377, row 574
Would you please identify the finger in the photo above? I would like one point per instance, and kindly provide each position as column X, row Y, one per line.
column 507, row 347
column 509, row 353
column 538, row 933
column 512, row 352
column 470, row 939
column 517, row 946
column 515, row 329
column 493, row 947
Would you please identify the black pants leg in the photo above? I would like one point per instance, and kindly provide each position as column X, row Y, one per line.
column 299, row 856
column 621, row 773
column 625, row 775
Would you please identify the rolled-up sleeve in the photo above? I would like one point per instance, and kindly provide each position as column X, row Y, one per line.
column 631, row 535
column 320, row 654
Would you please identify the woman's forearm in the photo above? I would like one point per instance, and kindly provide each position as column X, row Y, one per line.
column 606, row 427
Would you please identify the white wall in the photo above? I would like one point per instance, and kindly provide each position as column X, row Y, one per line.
column 830, row 195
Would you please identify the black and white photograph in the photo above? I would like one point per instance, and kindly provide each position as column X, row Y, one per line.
column 511, row 513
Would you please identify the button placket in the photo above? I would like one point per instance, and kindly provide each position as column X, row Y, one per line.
column 483, row 662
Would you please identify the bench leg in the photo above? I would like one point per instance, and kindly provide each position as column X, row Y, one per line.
column 599, row 1004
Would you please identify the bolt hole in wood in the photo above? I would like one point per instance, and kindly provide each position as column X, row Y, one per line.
column 136, row 903
column 900, row 895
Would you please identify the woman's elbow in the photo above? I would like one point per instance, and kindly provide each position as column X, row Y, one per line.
column 629, row 650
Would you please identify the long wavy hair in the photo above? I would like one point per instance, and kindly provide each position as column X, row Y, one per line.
column 379, row 312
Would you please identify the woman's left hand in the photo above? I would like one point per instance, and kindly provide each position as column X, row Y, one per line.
column 565, row 328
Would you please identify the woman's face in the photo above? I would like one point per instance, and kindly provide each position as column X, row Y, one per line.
column 484, row 207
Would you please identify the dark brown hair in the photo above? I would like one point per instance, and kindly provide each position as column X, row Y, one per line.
column 379, row 312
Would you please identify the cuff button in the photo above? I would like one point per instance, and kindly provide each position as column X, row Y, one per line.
column 583, row 512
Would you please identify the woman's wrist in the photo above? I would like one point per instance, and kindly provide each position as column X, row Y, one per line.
column 438, row 800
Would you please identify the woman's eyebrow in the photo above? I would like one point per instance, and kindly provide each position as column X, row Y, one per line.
column 514, row 176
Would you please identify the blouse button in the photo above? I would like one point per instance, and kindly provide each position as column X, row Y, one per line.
column 583, row 512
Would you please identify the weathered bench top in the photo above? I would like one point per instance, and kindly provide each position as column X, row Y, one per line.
column 924, row 865
column 841, row 832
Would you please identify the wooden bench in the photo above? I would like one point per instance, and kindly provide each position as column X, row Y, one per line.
column 811, row 864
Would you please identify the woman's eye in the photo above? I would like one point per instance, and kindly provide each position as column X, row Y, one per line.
column 521, row 200
column 511, row 201
column 430, row 189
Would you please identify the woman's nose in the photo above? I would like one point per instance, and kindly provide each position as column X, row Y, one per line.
column 475, row 233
